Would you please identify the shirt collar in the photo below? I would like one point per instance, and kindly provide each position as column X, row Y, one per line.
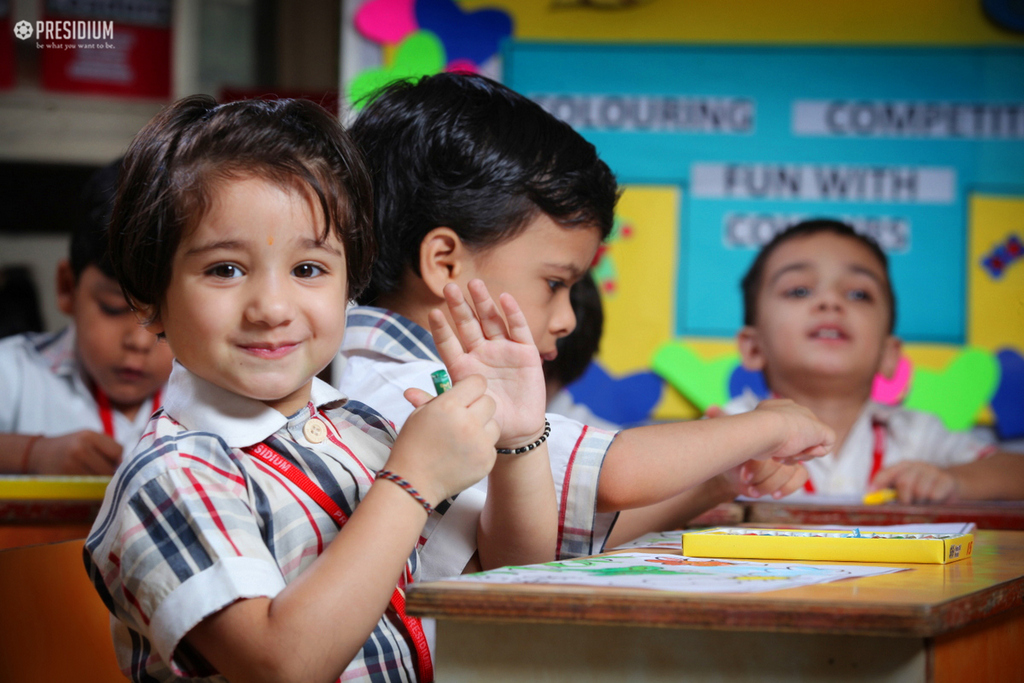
column 202, row 406
column 377, row 329
column 58, row 349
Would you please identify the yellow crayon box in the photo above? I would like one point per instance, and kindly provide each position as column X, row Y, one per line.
column 859, row 545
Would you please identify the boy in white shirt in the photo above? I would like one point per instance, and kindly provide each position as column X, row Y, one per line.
column 818, row 322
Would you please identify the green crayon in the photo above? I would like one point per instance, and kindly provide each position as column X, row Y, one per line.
column 442, row 383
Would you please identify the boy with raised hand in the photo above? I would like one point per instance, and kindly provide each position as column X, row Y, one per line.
column 819, row 314
column 73, row 401
column 473, row 181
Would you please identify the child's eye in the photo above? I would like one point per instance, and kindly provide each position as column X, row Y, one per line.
column 859, row 295
column 114, row 310
column 797, row 292
column 307, row 270
column 225, row 270
column 555, row 285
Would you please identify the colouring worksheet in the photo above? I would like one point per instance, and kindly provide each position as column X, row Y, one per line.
column 675, row 573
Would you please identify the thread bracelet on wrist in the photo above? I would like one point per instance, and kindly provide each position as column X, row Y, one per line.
column 392, row 477
column 530, row 446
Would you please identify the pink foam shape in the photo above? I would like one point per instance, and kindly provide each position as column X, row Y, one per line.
column 892, row 391
column 386, row 21
column 465, row 66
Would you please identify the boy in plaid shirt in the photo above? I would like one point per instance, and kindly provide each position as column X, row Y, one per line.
column 266, row 526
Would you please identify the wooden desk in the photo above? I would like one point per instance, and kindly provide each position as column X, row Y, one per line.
column 47, row 510
column 987, row 515
column 937, row 623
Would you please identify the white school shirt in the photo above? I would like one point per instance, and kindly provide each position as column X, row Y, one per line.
column 382, row 355
column 42, row 391
column 898, row 434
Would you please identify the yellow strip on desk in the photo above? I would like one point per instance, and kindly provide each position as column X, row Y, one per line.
column 21, row 487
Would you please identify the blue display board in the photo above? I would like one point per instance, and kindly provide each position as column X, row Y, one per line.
column 893, row 140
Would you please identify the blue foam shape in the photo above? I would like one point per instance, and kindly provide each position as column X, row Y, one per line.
column 753, row 380
column 475, row 36
column 1008, row 401
column 626, row 400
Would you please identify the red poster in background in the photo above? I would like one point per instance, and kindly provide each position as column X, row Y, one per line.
column 6, row 49
column 134, row 61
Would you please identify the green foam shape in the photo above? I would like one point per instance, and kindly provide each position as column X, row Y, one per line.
column 959, row 391
column 703, row 382
column 420, row 54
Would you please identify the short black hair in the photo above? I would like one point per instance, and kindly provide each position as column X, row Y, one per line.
column 578, row 348
column 89, row 233
column 465, row 152
column 754, row 279
column 176, row 160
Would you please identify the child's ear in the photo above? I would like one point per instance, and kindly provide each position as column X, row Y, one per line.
column 892, row 350
column 749, row 344
column 442, row 259
column 66, row 287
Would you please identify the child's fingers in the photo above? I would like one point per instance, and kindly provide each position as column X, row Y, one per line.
column 518, row 328
column 417, row 397
column 491, row 322
column 467, row 391
column 482, row 409
column 714, row 411
column 448, row 345
column 466, row 322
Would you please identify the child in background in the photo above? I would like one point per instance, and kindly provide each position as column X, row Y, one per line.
column 819, row 314
column 472, row 180
column 74, row 400
column 240, row 231
column 575, row 353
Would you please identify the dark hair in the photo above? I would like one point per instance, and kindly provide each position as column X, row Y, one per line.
column 753, row 280
column 463, row 151
column 576, row 349
column 89, row 234
column 174, row 163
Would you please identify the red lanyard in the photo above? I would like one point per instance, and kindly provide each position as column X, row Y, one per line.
column 107, row 414
column 272, row 458
column 877, row 455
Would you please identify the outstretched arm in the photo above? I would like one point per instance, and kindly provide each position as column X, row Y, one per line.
column 648, row 465
column 519, row 522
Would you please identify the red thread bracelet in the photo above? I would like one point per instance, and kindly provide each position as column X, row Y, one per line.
column 28, row 450
column 391, row 476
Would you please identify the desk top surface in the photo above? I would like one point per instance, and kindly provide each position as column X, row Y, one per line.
column 1007, row 515
column 926, row 601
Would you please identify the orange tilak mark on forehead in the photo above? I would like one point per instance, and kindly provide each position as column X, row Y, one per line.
column 270, row 241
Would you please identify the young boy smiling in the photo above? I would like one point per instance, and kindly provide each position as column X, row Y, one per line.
column 265, row 527
column 819, row 318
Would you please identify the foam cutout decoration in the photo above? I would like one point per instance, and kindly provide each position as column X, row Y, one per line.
column 957, row 393
column 892, row 391
column 1008, row 401
column 420, row 54
column 475, row 36
column 387, row 22
column 742, row 380
column 703, row 382
column 624, row 400
column 462, row 66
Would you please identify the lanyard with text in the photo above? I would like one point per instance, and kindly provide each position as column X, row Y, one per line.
column 107, row 414
column 412, row 625
column 877, row 455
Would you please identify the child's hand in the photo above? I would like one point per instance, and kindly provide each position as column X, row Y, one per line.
column 756, row 478
column 917, row 482
column 447, row 444
column 801, row 435
column 505, row 355
column 83, row 452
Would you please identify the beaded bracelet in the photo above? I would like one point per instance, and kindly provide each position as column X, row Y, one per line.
column 391, row 476
column 529, row 447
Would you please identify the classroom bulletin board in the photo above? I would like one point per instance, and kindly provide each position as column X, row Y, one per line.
column 725, row 124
